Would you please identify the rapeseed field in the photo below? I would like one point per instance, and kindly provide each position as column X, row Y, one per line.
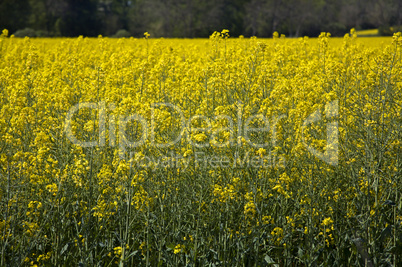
column 201, row 152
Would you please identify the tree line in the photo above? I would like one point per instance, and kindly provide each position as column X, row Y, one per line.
column 196, row 18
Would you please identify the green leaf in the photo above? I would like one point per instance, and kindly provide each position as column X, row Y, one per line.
column 270, row 261
column 64, row 249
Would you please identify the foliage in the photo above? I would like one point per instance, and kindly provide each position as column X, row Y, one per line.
column 27, row 32
column 388, row 31
column 198, row 18
column 122, row 33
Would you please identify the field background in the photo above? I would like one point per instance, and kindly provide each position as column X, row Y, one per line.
column 62, row 204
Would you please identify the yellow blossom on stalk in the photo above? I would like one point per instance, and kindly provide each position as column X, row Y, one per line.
column 178, row 248
column 52, row 188
column 290, row 221
column 277, row 233
column 225, row 33
column 44, row 257
column 281, row 190
column 117, row 251
column 4, row 33
column 353, row 33
column 249, row 209
column 267, row 219
column 327, row 221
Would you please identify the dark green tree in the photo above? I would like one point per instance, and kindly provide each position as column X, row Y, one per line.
column 80, row 18
column 14, row 15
